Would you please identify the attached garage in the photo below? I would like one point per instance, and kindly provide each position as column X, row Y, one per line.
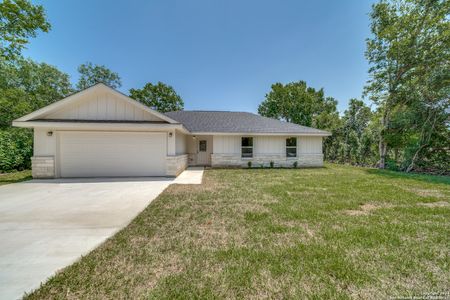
column 99, row 132
column 110, row 154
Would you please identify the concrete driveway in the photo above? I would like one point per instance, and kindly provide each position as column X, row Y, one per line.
column 46, row 225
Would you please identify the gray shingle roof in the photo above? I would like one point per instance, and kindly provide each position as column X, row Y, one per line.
column 236, row 122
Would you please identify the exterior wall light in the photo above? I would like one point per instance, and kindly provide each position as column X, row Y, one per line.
column 170, row 134
column 49, row 133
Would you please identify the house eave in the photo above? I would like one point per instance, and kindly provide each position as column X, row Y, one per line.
column 321, row 134
column 122, row 126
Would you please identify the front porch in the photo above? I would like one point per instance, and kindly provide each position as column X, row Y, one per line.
column 199, row 149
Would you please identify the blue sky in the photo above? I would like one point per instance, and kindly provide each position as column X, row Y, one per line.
column 218, row 55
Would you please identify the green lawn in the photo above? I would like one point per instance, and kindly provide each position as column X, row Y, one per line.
column 13, row 177
column 336, row 232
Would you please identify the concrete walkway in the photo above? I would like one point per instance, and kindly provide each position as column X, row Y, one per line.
column 192, row 175
column 45, row 225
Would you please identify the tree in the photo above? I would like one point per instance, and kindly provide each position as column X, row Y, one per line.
column 92, row 74
column 409, row 45
column 19, row 21
column 25, row 86
column 295, row 102
column 16, row 149
column 428, row 125
column 160, row 97
column 355, row 121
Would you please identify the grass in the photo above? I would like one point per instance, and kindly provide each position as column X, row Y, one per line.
column 13, row 177
column 338, row 232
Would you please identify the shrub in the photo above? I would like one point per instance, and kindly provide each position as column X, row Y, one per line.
column 295, row 164
column 392, row 165
column 271, row 164
column 16, row 148
column 262, row 166
column 249, row 164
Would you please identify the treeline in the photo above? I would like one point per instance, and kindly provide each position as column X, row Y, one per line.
column 409, row 87
column 356, row 133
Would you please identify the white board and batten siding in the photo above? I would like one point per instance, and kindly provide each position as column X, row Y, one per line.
column 102, row 106
column 44, row 145
column 309, row 145
column 267, row 144
column 180, row 143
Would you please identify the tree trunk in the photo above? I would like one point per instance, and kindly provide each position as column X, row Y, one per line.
column 382, row 149
column 413, row 160
column 382, row 145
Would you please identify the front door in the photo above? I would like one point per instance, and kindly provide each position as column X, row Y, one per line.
column 202, row 153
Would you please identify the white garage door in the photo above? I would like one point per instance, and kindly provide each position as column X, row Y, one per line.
column 112, row 154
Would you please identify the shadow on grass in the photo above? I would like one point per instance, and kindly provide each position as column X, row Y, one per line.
column 14, row 177
column 410, row 176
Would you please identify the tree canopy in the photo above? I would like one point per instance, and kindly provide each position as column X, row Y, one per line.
column 91, row 74
column 409, row 58
column 296, row 102
column 160, row 97
column 26, row 86
column 19, row 21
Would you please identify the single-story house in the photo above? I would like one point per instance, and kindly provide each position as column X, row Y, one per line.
column 100, row 132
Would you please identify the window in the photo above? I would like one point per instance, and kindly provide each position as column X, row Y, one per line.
column 202, row 146
column 291, row 147
column 247, row 147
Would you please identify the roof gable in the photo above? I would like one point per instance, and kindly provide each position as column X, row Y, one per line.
column 98, row 102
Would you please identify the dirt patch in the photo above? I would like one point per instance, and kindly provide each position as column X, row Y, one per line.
column 213, row 235
column 435, row 204
column 296, row 232
column 209, row 184
column 309, row 231
column 351, row 212
column 426, row 192
column 366, row 209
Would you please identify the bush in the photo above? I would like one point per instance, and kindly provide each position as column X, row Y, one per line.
column 249, row 164
column 271, row 164
column 262, row 166
column 392, row 165
column 295, row 164
column 16, row 149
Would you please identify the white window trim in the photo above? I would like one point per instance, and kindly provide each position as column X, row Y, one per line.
column 292, row 147
column 247, row 147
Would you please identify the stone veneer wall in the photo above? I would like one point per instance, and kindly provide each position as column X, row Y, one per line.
column 43, row 167
column 176, row 164
column 230, row 160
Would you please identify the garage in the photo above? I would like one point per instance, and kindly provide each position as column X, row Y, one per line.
column 111, row 154
column 100, row 132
